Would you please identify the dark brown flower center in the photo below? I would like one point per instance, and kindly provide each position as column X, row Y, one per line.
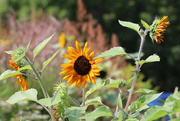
column 82, row 65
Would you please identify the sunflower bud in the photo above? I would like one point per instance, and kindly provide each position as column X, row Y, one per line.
column 158, row 28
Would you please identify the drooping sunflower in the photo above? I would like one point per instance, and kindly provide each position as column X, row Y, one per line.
column 158, row 28
column 81, row 68
column 21, row 79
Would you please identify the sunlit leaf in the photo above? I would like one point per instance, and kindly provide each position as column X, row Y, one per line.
column 8, row 73
column 94, row 88
column 98, row 112
column 9, row 52
column 152, row 58
column 41, row 45
column 50, row 59
column 143, row 101
column 30, row 94
column 50, row 101
column 112, row 52
column 25, row 67
column 146, row 26
column 130, row 25
column 154, row 113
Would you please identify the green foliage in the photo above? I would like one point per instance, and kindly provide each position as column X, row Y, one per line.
column 41, row 46
column 19, row 96
column 95, row 87
column 8, row 73
column 152, row 58
column 112, row 52
column 74, row 113
column 130, row 25
column 49, row 60
column 98, row 112
column 146, row 26
column 50, row 101
column 143, row 101
column 116, row 83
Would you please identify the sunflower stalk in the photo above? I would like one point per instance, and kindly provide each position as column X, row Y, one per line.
column 46, row 95
column 137, row 68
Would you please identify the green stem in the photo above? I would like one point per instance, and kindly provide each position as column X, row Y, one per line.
column 46, row 95
column 137, row 68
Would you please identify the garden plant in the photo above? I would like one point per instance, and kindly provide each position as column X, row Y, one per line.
column 81, row 69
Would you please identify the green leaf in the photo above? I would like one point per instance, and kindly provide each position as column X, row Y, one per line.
column 74, row 113
column 152, row 58
column 93, row 101
column 154, row 112
column 178, row 119
column 51, row 101
column 173, row 103
column 146, row 26
column 143, row 101
column 130, row 25
column 94, row 88
column 130, row 80
column 132, row 119
column 24, row 53
column 30, row 94
column 8, row 73
column 119, row 102
column 98, row 112
column 50, row 59
column 25, row 67
column 116, row 83
column 112, row 52
column 143, row 90
column 9, row 52
column 41, row 46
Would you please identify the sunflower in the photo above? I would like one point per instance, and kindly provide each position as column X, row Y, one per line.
column 20, row 77
column 81, row 67
column 158, row 28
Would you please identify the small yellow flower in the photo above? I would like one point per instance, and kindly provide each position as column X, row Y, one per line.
column 81, row 67
column 158, row 28
column 62, row 40
column 21, row 79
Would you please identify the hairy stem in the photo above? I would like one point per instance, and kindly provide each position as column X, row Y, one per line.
column 83, row 98
column 137, row 68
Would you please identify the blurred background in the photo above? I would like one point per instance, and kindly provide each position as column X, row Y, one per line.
column 96, row 22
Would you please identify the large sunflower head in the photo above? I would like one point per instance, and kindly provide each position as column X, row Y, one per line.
column 158, row 28
column 81, row 67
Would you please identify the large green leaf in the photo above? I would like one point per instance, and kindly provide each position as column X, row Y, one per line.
column 154, row 113
column 8, row 73
column 130, row 25
column 143, row 101
column 41, row 45
column 74, row 113
column 51, row 101
column 152, row 58
column 30, row 94
column 95, row 87
column 50, row 59
column 112, row 52
column 98, row 112
column 173, row 103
